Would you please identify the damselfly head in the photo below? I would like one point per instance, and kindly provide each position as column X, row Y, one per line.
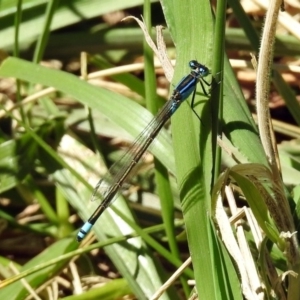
column 198, row 68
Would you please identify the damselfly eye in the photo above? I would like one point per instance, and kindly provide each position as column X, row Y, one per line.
column 193, row 64
column 203, row 71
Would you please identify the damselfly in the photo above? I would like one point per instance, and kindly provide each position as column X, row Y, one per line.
column 182, row 91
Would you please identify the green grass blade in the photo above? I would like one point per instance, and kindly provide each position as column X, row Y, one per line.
column 161, row 173
column 44, row 34
column 288, row 95
column 191, row 139
column 217, row 85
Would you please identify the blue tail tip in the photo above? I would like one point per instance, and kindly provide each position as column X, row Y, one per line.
column 84, row 230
